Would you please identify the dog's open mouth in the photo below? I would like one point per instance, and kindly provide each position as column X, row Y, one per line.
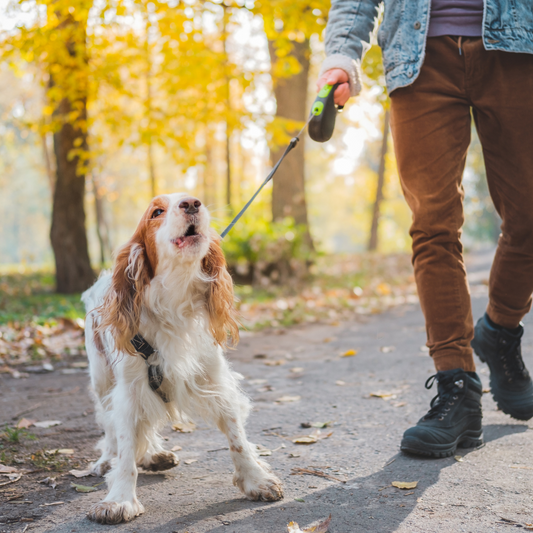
column 191, row 236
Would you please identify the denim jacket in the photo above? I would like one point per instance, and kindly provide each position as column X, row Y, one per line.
column 507, row 26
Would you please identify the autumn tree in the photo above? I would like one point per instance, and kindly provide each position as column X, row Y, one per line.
column 289, row 26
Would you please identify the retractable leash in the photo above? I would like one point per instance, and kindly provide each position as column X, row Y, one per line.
column 321, row 124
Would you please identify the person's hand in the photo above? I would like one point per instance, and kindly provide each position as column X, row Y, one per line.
column 333, row 76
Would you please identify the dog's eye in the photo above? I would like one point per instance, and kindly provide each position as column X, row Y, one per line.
column 157, row 212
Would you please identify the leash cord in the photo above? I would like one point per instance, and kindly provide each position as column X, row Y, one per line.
column 292, row 144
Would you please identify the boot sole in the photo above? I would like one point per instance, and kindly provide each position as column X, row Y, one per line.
column 469, row 439
column 501, row 406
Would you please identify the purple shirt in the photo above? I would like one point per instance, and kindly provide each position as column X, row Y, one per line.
column 456, row 17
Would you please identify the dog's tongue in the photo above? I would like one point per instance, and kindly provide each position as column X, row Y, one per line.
column 181, row 242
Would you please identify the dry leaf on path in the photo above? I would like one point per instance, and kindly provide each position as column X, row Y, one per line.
column 8, row 469
column 184, row 427
column 13, row 478
column 405, row 485
column 287, row 399
column 349, row 353
column 312, row 438
column 340, row 383
column 277, row 362
column 82, row 473
column 47, row 424
column 83, row 488
column 387, row 349
column 50, row 481
column 262, row 451
column 458, row 458
column 306, row 439
column 51, row 504
column 175, row 448
column 320, row 526
column 297, row 369
column 318, row 425
column 24, row 423
column 190, row 461
column 383, row 395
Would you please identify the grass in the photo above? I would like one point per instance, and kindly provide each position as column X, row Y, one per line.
column 29, row 297
column 14, row 435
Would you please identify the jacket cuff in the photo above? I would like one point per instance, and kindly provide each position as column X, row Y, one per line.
column 349, row 65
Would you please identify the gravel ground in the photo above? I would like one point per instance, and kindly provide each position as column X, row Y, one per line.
column 489, row 489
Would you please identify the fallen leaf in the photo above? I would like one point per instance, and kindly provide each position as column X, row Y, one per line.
column 320, row 526
column 13, row 478
column 277, row 362
column 47, row 424
column 301, row 500
column 384, row 395
column 318, row 425
column 340, row 383
column 458, row 458
column 190, row 461
column 328, row 339
column 65, row 451
column 297, row 369
column 263, row 452
column 82, row 473
column 260, row 356
column 349, row 353
column 80, row 364
column 52, row 503
column 387, row 349
column 83, row 488
column 288, row 399
column 7, row 469
column 294, row 455
column 50, row 481
column 486, row 391
column 184, row 427
column 399, row 404
column 24, row 423
column 307, row 439
column 404, row 485
column 176, row 448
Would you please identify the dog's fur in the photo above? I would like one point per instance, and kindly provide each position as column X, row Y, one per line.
column 175, row 291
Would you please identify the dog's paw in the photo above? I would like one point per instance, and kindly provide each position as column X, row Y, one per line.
column 160, row 461
column 264, row 487
column 114, row 512
column 101, row 468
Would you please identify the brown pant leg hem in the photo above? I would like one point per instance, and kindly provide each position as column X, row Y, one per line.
column 450, row 361
column 502, row 320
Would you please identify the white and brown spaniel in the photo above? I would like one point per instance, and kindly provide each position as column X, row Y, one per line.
column 169, row 285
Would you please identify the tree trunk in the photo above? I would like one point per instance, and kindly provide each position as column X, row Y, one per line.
column 102, row 229
column 68, row 234
column 288, row 189
column 373, row 239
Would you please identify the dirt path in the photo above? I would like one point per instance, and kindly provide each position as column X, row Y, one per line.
column 477, row 494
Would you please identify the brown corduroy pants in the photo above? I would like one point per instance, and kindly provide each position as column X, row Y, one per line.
column 430, row 123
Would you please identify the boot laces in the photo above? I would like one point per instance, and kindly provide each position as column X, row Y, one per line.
column 511, row 355
column 449, row 388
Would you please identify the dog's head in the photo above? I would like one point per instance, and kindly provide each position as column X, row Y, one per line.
column 173, row 234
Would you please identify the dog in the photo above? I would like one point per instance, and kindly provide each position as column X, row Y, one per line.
column 170, row 288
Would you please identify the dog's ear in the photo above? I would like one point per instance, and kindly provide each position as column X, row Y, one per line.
column 219, row 297
column 121, row 309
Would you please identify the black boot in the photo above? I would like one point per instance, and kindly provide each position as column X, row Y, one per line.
column 453, row 420
column 510, row 383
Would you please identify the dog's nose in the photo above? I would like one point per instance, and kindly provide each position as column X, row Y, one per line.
column 190, row 205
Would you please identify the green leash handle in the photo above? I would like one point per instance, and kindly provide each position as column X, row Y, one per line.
column 323, row 114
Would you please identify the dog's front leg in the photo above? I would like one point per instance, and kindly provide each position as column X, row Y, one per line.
column 252, row 475
column 121, row 504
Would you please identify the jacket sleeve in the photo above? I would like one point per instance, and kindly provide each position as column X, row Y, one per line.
column 348, row 32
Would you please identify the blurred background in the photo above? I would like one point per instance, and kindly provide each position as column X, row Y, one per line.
column 105, row 104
